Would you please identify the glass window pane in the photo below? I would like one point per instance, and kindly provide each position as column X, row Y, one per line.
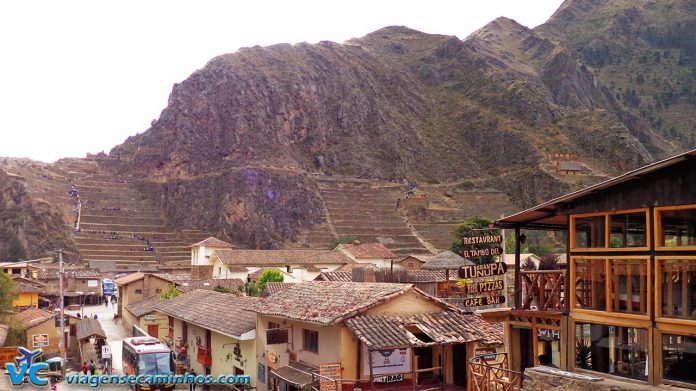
column 678, row 228
column 628, row 230
column 678, row 279
column 589, row 232
column 679, row 357
column 590, row 284
column 612, row 349
column 629, row 286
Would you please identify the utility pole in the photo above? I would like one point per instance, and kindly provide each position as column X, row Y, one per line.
column 64, row 344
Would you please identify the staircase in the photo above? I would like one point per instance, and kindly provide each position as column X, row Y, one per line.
column 367, row 211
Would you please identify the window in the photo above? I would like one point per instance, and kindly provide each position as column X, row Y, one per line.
column 678, row 288
column 679, row 357
column 219, row 270
column 138, row 291
column 590, row 284
column 676, row 227
column 310, row 341
column 612, row 349
column 171, row 327
column 273, row 325
column 589, row 231
column 288, row 268
column 629, row 285
column 628, row 230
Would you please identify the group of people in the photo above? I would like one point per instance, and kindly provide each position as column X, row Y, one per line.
column 90, row 368
column 93, row 316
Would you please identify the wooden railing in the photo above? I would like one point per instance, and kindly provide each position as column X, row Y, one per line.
column 543, row 290
column 492, row 374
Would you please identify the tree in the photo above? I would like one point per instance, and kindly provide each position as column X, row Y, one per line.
column 342, row 240
column 251, row 289
column 7, row 293
column 15, row 250
column 171, row 292
column 474, row 226
column 270, row 275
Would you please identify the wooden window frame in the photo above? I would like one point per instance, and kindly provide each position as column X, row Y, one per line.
column 608, row 312
column 658, row 227
column 305, row 346
column 607, row 231
column 658, row 291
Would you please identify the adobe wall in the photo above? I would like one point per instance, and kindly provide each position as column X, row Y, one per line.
column 538, row 381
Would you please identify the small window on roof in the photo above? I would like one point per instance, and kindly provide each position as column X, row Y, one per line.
column 419, row 333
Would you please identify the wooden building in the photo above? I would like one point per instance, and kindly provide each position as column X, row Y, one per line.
column 626, row 306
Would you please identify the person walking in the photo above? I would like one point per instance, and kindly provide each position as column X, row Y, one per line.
column 91, row 367
column 192, row 385
column 85, row 368
column 106, row 302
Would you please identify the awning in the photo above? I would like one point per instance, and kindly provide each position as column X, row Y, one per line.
column 296, row 373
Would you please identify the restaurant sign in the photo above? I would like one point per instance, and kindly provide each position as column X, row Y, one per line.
column 389, row 378
column 484, row 300
column 484, row 270
column 482, row 252
column 486, row 239
column 329, row 371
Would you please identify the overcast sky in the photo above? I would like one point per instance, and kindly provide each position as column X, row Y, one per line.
column 81, row 76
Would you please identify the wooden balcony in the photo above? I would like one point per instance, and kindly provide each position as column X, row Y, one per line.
column 543, row 290
column 204, row 356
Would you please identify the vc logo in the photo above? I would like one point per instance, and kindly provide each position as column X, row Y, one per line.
column 26, row 366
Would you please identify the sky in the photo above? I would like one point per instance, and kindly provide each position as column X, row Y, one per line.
column 79, row 77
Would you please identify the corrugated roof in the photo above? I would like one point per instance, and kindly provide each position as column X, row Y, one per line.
column 220, row 312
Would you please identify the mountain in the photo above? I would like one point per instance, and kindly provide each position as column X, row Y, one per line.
column 296, row 144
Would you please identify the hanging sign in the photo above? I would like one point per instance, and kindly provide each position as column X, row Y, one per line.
column 486, row 239
column 488, row 286
column 484, row 270
column 481, row 252
column 485, row 300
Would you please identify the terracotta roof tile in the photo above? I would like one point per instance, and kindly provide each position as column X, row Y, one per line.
column 280, row 257
column 389, row 331
column 368, row 251
column 23, row 287
column 328, row 302
column 413, row 276
column 32, row 317
column 336, row 276
column 145, row 306
column 220, row 312
column 88, row 327
column 232, row 284
column 213, row 242
column 275, row 287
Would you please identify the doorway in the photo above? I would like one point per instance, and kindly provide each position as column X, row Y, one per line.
column 424, row 358
column 459, row 364
column 526, row 349
column 152, row 330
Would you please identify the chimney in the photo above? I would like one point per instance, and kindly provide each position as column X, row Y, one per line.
column 146, row 285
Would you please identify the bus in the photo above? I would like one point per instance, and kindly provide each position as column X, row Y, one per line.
column 147, row 356
column 108, row 287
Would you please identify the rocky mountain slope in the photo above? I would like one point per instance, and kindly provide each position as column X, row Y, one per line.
column 248, row 145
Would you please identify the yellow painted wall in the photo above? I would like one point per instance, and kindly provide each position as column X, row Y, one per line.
column 161, row 320
column 224, row 360
column 26, row 299
column 49, row 328
column 410, row 303
column 127, row 293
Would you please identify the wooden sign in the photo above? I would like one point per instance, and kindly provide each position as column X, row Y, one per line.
column 485, row 300
column 276, row 336
column 485, row 270
column 332, row 371
column 486, row 239
column 389, row 378
column 481, row 252
column 489, row 286
column 8, row 354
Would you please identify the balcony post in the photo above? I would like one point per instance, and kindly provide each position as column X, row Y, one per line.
column 518, row 285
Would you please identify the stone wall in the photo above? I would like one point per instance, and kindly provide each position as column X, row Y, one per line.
column 543, row 379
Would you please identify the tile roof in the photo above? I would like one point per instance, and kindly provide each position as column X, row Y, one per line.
column 420, row 257
column 569, row 166
column 446, row 260
column 32, row 317
column 280, row 257
column 145, row 306
column 232, row 284
column 390, row 331
column 336, row 276
column 412, row 275
column 88, row 327
column 213, row 242
column 23, row 287
column 173, row 278
column 129, row 278
column 49, row 273
column 275, row 287
column 328, row 302
column 220, row 312
column 367, row 251
column 296, row 373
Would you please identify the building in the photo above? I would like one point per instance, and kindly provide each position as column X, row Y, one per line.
column 40, row 330
column 337, row 329
column 144, row 315
column 201, row 266
column 569, row 168
column 80, row 285
column 368, row 253
column 207, row 337
column 414, row 261
column 626, row 306
column 27, row 291
column 23, row 269
column 296, row 265
column 139, row 286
